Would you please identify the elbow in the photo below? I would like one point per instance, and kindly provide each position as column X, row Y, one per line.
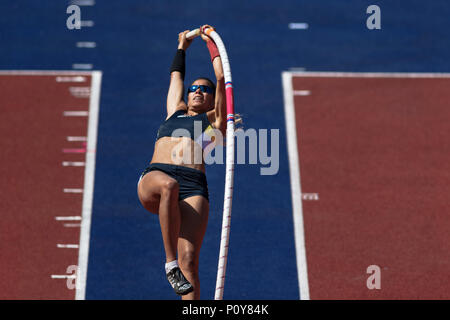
column 221, row 125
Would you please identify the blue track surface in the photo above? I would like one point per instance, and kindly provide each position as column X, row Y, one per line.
column 136, row 41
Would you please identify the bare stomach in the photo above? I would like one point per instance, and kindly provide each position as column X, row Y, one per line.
column 179, row 151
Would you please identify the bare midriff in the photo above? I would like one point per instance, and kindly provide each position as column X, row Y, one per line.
column 181, row 151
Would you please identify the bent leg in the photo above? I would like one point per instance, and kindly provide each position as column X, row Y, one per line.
column 158, row 193
column 194, row 219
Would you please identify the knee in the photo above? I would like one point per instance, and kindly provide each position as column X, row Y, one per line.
column 169, row 187
column 189, row 263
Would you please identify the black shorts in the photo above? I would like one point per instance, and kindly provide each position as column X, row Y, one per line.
column 192, row 182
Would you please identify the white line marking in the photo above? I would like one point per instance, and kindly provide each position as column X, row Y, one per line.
column 72, row 190
column 89, row 175
column 44, row 72
column 310, row 196
column 67, row 246
column 71, row 79
column 370, row 74
column 72, row 138
column 83, row 66
column 76, row 113
column 296, row 191
column 80, row 92
column 68, row 218
column 86, row 44
column 298, row 26
column 63, row 276
column 72, row 225
column 302, row 92
column 73, row 164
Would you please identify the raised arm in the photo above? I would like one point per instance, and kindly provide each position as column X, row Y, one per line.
column 176, row 88
column 220, row 110
column 218, row 116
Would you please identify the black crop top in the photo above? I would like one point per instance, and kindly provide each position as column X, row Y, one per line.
column 197, row 127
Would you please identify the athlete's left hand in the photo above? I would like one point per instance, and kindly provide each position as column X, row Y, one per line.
column 205, row 37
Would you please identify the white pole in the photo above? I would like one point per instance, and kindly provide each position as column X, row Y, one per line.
column 229, row 168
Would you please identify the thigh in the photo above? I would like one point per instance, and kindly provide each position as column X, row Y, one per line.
column 150, row 187
column 194, row 219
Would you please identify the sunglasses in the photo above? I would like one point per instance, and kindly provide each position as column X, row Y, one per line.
column 202, row 87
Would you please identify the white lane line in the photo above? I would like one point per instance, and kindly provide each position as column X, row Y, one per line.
column 73, row 164
column 298, row 26
column 67, row 246
column 72, row 190
column 369, row 74
column 71, row 79
column 74, row 138
column 302, row 92
column 296, row 190
column 68, row 218
column 76, row 113
column 83, row 66
column 44, row 73
column 89, row 174
column 86, row 44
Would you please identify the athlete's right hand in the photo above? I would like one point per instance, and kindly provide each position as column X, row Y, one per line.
column 183, row 43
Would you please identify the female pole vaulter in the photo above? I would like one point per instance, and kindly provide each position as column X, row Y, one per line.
column 174, row 185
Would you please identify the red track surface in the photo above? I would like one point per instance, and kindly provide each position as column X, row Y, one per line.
column 377, row 150
column 33, row 133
